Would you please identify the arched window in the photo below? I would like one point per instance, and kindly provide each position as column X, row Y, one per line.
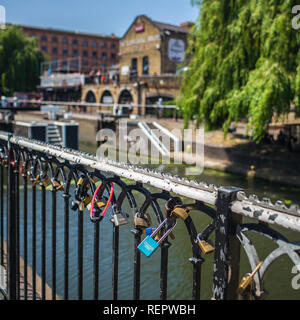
column 145, row 65
column 125, row 97
column 90, row 97
column 107, row 97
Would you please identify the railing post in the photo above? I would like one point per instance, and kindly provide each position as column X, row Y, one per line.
column 12, row 229
column 227, row 247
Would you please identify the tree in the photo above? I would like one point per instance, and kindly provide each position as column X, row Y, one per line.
column 20, row 61
column 245, row 64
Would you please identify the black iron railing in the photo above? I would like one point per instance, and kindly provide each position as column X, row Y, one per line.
column 42, row 186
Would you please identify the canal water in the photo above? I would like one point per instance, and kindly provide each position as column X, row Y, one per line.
column 278, row 282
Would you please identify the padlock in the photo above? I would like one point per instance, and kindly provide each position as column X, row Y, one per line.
column 205, row 246
column 57, row 185
column 22, row 169
column 81, row 205
column 99, row 204
column 36, row 180
column 46, row 182
column 180, row 212
column 148, row 246
column 142, row 222
column 86, row 201
column 247, row 280
column 119, row 219
column 80, row 181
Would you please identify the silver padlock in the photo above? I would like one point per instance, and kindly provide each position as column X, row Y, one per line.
column 119, row 219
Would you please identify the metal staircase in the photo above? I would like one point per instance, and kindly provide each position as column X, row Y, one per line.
column 54, row 136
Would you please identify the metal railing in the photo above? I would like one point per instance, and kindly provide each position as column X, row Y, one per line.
column 37, row 169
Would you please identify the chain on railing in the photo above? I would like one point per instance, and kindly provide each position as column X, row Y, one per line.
column 99, row 185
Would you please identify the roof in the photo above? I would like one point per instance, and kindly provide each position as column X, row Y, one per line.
column 165, row 26
column 160, row 25
column 65, row 31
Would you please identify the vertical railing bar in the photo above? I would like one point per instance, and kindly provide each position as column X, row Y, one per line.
column 115, row 262
column 43, row 251
column 17, row 180
column 66, row 247
column 2, row 215
column 33, row 242
column 53, row 244
column 25, row 236
column 80, row 254
column 96, row 260
column 196, row 260
column 137, row 267
column 164, row 271
column 11, row 228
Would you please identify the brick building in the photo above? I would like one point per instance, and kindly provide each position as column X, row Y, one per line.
column 152, row 48
column 94, row 51
column 151, row 54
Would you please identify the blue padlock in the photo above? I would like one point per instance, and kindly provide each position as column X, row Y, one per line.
column 148, row 246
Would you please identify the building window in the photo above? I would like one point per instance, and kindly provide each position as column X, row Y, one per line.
column 145, row 65
column 54, row 51
column 104, row 56
column 95, row 54
column 85, row 43
column 113, row 56
column 75, row 41
column 32, row 36
column 134, row 64
column 54, row 63
column 103, row 65
column 85, row 63
column 113, row 46
column 103, row 45
column 65, row 52
column 75, row 52
column 94, row 44
column 54, row 39
column 65, row 41
column 85, row 53
column 44, row 49
column 43, row 38
column 75, row 63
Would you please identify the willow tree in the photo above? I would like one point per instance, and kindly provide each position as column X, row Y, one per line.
column 244, row 64
column 20, row 61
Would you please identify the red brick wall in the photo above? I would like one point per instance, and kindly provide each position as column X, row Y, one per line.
column 89, row 62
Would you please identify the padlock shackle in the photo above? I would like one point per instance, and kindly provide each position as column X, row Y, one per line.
column 107, row 204
column 159, row 227
column 166, row 234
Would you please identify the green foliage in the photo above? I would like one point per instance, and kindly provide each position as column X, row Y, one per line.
column 20, row 61
column 245, row 64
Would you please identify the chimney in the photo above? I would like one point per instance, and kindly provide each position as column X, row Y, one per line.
column 187, row 25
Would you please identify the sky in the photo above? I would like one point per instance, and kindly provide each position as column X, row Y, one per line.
column 96, row 16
